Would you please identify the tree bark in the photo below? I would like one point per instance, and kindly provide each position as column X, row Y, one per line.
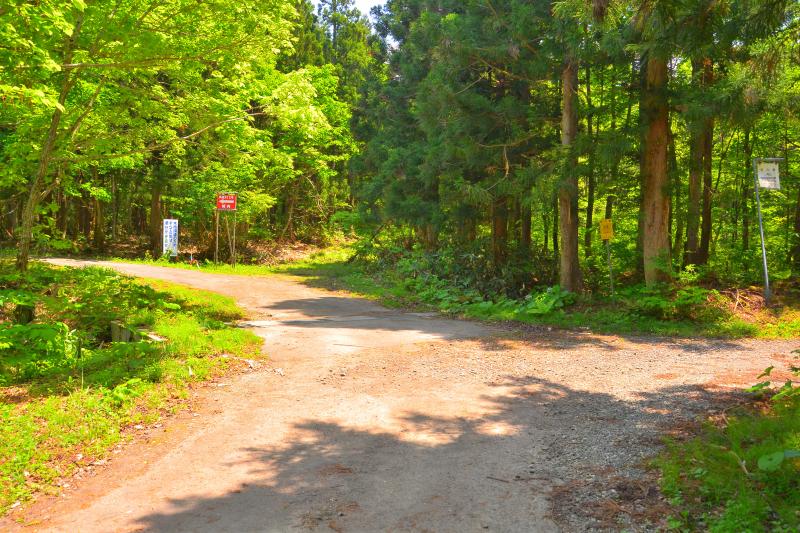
column 546, row 228
column 155, row 218
column 675, row 197
column 556, row 254
column 99, row 227
column 115, row 205
column 655, row 179
column 500, row 230
column 705, row 229
column 37, row 185
column 610, row 206
column 795, row 258
column 748, row 179
column 590, row 178
column 694, row 199
column 85, row 217
column 570, row 272
column 525, row 228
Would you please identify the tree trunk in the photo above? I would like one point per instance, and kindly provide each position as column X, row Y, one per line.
column 428, row 236
column 155, row 218
column 556, row 253
column 748, row 179
column 513, row 220
column 115, row 207
column 570, row 272
column 61, row 216
column 500, row 230
column 525, row 228
column 34, row 193
column 85, row 216
column 609, row 206
column 694, row 199
column 795, row 259
column 705, row 229
column 675, row 196
column 37, row 185
column 99, row 227
column 590, row 178
column 546, row 228
column 655, row 179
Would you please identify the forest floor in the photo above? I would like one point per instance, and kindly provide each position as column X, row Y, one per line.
column 368, row 418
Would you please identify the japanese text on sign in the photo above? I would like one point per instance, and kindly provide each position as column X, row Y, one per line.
column 170, row 240
column 769, row 175
column 226, row 202
column 606, row 229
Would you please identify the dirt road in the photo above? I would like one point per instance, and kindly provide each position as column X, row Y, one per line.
column 382, row 420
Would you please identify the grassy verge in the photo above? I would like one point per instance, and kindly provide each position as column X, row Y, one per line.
column 67, row 393
column 683, row 311
column 741, row 473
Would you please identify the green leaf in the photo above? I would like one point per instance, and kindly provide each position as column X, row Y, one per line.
column 771, row 462
column 758, row 387
column 766, row 372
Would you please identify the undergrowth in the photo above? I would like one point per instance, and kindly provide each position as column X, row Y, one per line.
column 67, row 392
column 466, row 286
column 742, row 472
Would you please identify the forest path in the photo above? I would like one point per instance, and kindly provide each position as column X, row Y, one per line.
column 371, row 419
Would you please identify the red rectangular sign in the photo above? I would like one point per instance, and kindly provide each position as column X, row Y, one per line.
column 226, row 202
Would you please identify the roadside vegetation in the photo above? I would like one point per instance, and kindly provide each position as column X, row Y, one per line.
column 530, row 124
column 742, row 472
column 68, row 393
column 467, row 150
column 690, row 307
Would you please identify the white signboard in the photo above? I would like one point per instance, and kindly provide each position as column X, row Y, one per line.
column 769, row 175
column 170, row 237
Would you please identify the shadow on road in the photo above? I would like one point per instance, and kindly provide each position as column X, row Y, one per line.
column 495, row 472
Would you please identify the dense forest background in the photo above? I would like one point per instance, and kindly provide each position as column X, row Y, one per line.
column 487, row 136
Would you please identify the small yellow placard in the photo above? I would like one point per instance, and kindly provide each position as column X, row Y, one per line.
column 606, row 229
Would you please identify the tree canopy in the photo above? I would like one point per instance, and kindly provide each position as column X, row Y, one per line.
column 497, row 133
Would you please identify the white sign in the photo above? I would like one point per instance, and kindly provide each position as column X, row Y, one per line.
column 769, row 175
column 170, row 237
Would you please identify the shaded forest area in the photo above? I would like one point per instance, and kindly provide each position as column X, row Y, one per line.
column 489, row 136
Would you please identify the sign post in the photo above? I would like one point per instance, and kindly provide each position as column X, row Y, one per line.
column 170, row 237
column 606, row 234
column 767, row 176
column 226, row 203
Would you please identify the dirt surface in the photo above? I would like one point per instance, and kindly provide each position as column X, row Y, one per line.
column 370, row 419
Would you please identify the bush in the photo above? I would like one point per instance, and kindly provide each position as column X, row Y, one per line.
column 76, row 389
column 743, row 475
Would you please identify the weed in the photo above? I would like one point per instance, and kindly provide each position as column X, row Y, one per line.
column 743, row 475
column 68, row 392
column 465, row 285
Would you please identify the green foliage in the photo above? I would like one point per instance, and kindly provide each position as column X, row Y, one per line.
column 399, row 278
column 741, row 475
column 65, row 388
column 666, row 303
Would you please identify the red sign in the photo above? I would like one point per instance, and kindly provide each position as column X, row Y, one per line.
column 226, row 202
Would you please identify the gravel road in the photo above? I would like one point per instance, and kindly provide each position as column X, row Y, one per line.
column 371, row 419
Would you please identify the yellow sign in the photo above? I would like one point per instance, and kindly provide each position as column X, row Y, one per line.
column 606, row 229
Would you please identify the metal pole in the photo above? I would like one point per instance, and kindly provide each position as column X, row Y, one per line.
column 767, row 292
column 234, row 239
column 610, row 268
column 216, row 241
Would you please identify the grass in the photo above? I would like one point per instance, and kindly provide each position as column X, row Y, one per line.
column 635, row 310
column 719, row 481
column 68, row 395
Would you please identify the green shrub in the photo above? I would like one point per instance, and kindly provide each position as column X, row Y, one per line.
column 78, row 389
column 743, row 475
